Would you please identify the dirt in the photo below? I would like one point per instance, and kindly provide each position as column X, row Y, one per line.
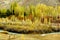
column 9, row 36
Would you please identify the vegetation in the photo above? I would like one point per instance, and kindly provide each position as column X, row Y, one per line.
column 31, row 16
column 39, row 11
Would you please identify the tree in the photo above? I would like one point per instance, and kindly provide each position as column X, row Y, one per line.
column 12, row 7
column 19, row 11
column 3, row 12
column 40, row 10
column 58, row 10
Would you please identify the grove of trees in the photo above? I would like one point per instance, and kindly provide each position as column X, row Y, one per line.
column 30, row 12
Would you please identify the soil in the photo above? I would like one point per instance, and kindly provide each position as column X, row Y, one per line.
column 9, row 36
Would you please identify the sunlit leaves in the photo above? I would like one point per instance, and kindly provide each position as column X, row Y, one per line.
column 19, row 10
column 3, row 11
column 12, row 7
column 32, row 10
column 41, row 9
column 58, row 10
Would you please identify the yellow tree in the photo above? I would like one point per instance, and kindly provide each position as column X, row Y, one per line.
column 19, row 11
column 32, row 12
column 52, row 12
column 40, row 11
column 3, row 12
column 58, row 10
column 12, row 7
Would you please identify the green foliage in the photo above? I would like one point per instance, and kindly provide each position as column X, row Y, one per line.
column 12, row 7
column 19, row 11
column 39, row 10
column 8, row 13
column 32, row 10
column 3, row 12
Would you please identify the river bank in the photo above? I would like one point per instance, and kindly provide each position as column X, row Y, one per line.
column 10, row 36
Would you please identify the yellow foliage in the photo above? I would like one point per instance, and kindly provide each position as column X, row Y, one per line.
column 19, row 10
column 58, row 9
column 41, row 10
column 4, row 10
